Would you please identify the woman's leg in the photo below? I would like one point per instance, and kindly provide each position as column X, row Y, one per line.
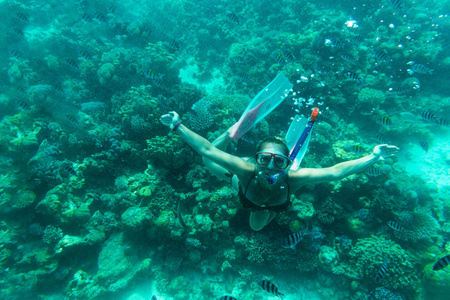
column 260, row 218
column 220, row 172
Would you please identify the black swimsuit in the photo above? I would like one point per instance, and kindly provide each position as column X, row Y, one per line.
column 246, row 203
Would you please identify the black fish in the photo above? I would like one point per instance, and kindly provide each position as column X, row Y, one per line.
column 442, row 263
column 395, row 226
column 424, row 146
column 233, row 18
column 270, row 288
column 382, row 272
column 294, row 239
column 227, row 298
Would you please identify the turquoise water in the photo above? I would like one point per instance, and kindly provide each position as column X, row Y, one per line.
column 97, row 201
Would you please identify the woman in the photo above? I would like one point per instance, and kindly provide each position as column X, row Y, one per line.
column 265, row 184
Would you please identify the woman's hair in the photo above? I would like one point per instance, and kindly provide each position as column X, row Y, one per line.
column 273, row 140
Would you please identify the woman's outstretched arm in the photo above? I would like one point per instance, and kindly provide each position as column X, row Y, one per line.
column 341, row 170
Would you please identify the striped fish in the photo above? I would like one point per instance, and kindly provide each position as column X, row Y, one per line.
column 173, row 44
column 22, row 17
column 233, row 18
column 23, row 104
column 348, row 57
column 443, row 122
column 278, row 57
column 428, row 115
column 354, row 148
column 227, row 298
column 381, row 55
column 442, row 263
column 69, row 169
column 353, row 76
column 382, row 272
column 288, row 56
column 395, row 226
column 397, row 4
column 238, row 59
column 421, row 69
column 357, row 39
column 381, row 139
column 372, row 171
column 384, row 121
column 270, row 288
column 424, row 146
column 292, row 240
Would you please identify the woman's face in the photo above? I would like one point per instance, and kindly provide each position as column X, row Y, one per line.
column 271, row 159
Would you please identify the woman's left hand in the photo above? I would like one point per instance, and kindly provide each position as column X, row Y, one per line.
column 384, row 151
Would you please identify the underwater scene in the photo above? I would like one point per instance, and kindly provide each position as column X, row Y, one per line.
column 114, row 114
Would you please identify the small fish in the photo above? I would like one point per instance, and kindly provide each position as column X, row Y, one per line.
column 238, row 59
column 72, row 63
column 21, row 90
column 86, row 18
column 383, row 270
column 22, row 17
column 288, row 56
column 424, row 146
column 395, row 226
column 421, row 69
column 397, row 4
column 153, row 298
column 227, row 298
column 381, row 139
column 145, row 29
column 319, row 69
column 354, row 148
column 353, row 76
column 270, row 288
column 381, row 55
column 67, row 167
column 173, row 44
column 442, row 263
column 278, row 57
column 23, row 104
column 443, row 122
column 242, row 76
column 71, row 118
column 372, row 171
column 15, row 54
column 428, row 115
column 333, row 41
column 58, row 88
column 348, row 57
column 100, row 17
column 357, row 39
column 383, row 120
column 233, row 18
column 292, row 240
column 82, row 53
column 329, row 115
column 18, row 31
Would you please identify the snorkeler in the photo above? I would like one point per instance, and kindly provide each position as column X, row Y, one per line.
column 264, row 197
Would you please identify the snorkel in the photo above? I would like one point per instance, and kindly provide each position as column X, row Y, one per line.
column 297, row 147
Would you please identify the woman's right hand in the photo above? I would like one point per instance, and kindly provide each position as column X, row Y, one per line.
column 170, row 120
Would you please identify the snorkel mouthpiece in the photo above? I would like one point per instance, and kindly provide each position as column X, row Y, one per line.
column 274, row 178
